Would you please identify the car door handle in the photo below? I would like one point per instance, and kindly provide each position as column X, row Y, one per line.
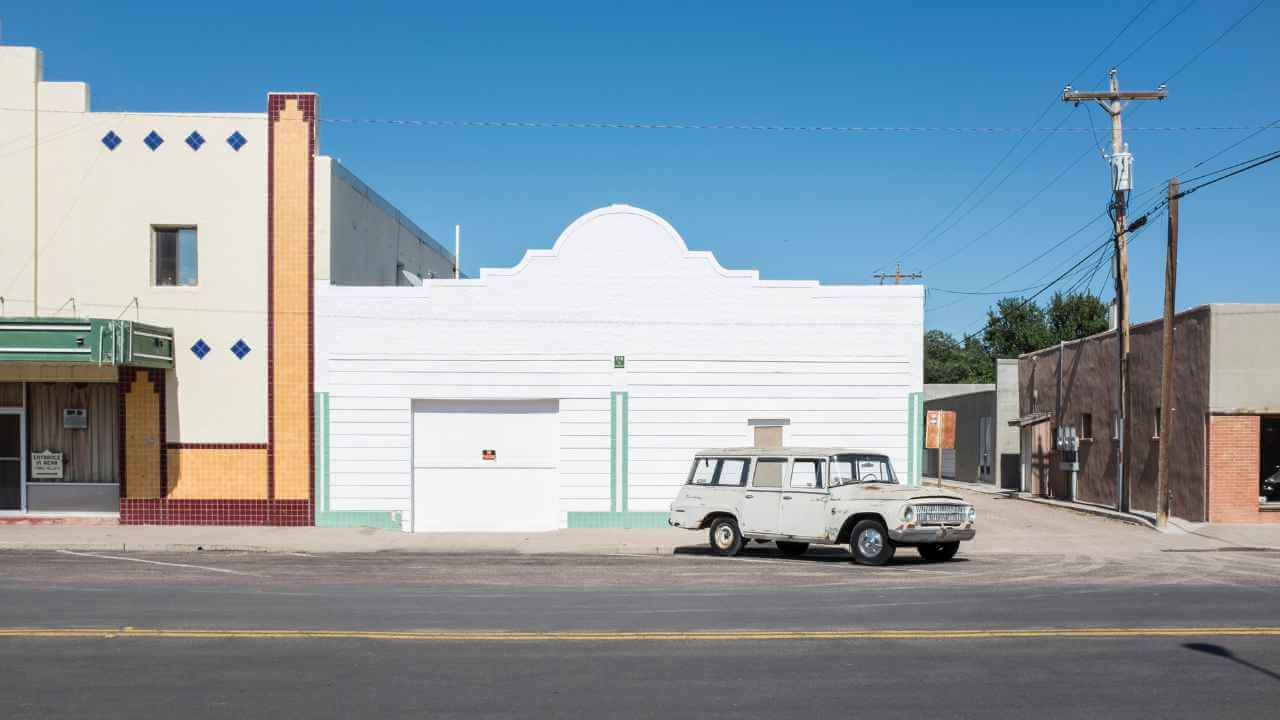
column 786, row 497
column 749, row 496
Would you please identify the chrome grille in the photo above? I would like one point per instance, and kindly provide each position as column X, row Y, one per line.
column 940, row 514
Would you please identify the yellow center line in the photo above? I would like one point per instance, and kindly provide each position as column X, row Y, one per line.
column 627, row 636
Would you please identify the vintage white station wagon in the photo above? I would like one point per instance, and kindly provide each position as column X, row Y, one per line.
column 798, row 496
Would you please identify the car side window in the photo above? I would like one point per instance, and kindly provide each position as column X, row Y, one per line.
column 806, row 474
column 769, row 473
column 704, row 470
column 841, row 472
column 733, row 472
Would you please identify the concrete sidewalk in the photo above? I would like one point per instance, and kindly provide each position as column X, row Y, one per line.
column 340, row 540
column 1005, row 526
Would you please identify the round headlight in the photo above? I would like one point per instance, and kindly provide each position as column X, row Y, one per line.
column 908, row 514
column 973, row 513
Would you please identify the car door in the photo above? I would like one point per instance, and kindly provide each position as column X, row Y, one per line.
column 759, row 514
column 803, row 505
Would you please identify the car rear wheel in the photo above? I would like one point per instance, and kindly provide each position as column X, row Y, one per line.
column 870, row 543
column 938, row 552
column 726, row 539
column 792, row 549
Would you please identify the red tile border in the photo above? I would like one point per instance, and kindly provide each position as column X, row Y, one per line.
column 158, row 378
column 123, row 382
column 215, row 446
column 273, row 112
column 150, row 511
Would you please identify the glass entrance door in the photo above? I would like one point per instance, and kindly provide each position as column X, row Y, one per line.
column 11, row 465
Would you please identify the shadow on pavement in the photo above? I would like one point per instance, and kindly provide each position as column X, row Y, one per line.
column 815, row 554
column 1226, row 654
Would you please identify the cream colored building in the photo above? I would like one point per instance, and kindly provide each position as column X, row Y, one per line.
column 158, row 273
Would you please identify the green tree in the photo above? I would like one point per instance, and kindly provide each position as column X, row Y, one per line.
column 1014, row 327
column 942, row 358
column 1076, row 315
column 978, row 361
column 947, row 360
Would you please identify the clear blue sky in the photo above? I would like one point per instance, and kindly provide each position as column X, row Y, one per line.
column 830, row 206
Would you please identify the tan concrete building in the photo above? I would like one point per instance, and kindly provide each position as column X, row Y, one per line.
column 157, row 276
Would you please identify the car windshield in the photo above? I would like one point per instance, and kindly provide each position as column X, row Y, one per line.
column 847, row 469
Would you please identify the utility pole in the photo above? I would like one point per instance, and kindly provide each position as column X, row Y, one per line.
column 1166, row 365
column 898, row 276
column 1112, row 101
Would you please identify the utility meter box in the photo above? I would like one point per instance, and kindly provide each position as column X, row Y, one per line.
column 1068, row 444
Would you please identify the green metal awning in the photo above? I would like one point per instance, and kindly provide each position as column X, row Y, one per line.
column 87, row 341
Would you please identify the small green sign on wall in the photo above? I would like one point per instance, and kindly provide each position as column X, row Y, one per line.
column 619, row 361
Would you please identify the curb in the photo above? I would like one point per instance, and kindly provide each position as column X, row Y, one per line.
column 1130, row 518
column 974, row 487
column 587, row 551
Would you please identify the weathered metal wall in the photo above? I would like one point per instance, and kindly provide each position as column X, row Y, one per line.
column 969, row 410
column 1088, row 386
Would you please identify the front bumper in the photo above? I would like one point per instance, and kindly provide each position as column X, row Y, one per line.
column 937, row 534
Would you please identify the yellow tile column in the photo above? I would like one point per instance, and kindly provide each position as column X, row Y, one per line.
column 290, row 172
column 142, row 444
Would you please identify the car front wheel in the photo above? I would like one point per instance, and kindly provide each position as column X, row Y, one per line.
column 870, row 543
column 938, row 552
column 726, row 539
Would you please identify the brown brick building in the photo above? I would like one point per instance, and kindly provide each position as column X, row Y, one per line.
column 1225, row 432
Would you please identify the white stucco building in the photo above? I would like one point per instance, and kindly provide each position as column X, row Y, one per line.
column 572, row 389
column 201, row 235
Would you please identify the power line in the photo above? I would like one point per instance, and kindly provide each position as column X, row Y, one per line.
column 1270, row 158
column 1142, row 222
column 1231, row 167
column 1012, row 214
column 924, row 239
column 1215, row 41
column 632, row 125
column 1177, row 72
column 1158, row 30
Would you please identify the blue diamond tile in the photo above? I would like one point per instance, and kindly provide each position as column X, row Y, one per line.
column 240, row 349
column 111, row 140
column 236, row 141
column 195, row 140
column 200, row 349
column 153, row 140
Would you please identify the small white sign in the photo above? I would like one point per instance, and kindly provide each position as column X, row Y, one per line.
column 46, row 465
column 75, row 418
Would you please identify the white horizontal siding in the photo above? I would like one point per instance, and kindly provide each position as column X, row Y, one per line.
column 619, row 282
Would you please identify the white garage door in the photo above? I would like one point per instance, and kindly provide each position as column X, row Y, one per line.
column 485, row 465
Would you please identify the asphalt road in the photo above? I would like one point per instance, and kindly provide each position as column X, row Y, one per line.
column 1170, row 634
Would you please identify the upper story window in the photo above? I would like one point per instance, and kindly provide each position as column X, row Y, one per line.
column 174, row 256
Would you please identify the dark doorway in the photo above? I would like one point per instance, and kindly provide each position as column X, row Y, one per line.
column 10, row 461
column 1270, row 460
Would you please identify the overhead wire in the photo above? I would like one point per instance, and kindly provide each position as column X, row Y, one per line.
column 1144, row 221
column 1194, row 58
column 925, row 238
column 1215, row 41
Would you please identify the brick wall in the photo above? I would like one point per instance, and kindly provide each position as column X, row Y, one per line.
column 1233, row 469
